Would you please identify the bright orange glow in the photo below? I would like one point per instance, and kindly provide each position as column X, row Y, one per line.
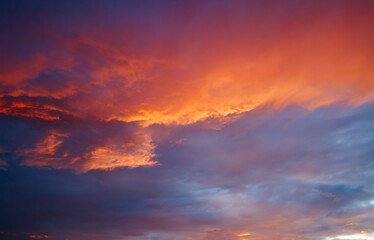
column 39, row 236
column 106, row 158
column 48, row 152
column 243, row 234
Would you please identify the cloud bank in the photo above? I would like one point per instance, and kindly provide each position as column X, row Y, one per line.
column 186, row 120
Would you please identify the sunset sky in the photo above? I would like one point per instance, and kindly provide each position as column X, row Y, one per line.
column 187, row 120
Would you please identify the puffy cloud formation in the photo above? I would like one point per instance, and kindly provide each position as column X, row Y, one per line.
column 186, row 120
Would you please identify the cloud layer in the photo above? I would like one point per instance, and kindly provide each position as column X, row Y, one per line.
column 289, row 174
column 186, row 120
column 158, row 66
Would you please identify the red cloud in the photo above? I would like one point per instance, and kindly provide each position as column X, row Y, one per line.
column 39, row 236
column 209, row 64
column 314, row 58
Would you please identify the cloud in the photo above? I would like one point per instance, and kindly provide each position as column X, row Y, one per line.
column 77, row 144
column 281, row 170
column 283, row 174
column 215, row 118
column 155, row 70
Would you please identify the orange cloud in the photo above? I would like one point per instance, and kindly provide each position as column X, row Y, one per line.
column 30, row 109
column 51, row 152
column 312, row 59
column 224, row 77
column 39, row 236
column 225, row 61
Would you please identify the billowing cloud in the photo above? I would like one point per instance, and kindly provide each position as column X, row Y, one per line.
column 212, row 120
column 210, row 60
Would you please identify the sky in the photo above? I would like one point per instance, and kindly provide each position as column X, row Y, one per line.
column 187, row 120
